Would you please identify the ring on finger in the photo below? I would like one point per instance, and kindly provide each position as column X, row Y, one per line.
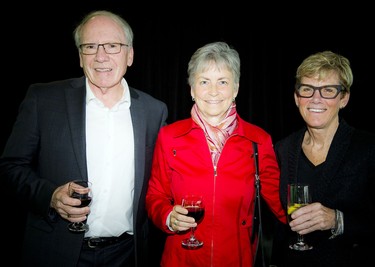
column 68, row 215
column 175, row 222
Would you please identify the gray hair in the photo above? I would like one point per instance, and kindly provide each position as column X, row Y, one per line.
column 128, row 32
column 218, row 52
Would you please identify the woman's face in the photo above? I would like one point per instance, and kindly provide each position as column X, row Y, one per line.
column 316, row 111
column 214, row 91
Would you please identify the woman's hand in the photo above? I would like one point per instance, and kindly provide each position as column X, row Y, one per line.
column 312, row 217
column 178, row 220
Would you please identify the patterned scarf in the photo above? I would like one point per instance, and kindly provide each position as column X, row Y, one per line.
column 217, row 135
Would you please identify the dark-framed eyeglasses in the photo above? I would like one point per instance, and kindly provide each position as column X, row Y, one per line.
column 109, row 48
column 326, row 91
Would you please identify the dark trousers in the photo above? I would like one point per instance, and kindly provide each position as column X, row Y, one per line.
column 120, row 254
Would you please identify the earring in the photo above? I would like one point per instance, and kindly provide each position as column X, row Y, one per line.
column 193, row 99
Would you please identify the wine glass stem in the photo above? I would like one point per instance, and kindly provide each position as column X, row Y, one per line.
column 300, row 239
column 192, row 236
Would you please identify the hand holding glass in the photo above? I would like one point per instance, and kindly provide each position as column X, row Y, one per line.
column 298, row 196
column 195, row 206
column 81, row 190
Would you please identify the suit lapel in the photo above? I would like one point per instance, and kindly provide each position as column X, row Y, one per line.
column 139, row 127
column 76, row 107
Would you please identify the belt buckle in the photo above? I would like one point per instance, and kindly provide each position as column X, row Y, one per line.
column 93, row 242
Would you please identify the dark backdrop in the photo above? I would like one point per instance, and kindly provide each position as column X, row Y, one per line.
column 37, row 46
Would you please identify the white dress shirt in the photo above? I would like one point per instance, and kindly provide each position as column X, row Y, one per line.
column 110, row 162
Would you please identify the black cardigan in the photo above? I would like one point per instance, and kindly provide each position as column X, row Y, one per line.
column 347, row 183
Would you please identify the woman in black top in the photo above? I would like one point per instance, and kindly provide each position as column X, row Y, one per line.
column 337, row 161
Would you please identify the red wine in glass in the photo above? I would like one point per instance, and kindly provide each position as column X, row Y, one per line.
column 80, row 189
column 196, row 212
column 195, row 206
column 85, row 199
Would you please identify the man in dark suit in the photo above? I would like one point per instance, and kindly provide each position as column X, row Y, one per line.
column 95, row 127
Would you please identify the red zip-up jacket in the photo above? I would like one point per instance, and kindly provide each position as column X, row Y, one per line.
column 182, row 164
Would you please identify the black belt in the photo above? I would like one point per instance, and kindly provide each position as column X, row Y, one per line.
column 100, row 242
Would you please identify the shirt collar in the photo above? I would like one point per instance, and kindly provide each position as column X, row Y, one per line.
column 124, row 99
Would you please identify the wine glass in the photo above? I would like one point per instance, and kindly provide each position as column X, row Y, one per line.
column 298, row 195
column 80, row 189
column 195, row 205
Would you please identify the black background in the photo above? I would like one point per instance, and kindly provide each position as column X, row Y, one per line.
column 272, row 40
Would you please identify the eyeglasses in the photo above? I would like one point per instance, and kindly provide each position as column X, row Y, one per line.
column 326, row 91
column 109, row 48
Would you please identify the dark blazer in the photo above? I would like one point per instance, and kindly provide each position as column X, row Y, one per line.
column 47, row 148
column 347, row 183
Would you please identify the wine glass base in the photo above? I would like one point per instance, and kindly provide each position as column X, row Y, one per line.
column 78, row 227
column 300, row 246
column 191, row 244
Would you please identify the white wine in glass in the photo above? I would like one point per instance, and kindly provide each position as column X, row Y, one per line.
column 298, row 195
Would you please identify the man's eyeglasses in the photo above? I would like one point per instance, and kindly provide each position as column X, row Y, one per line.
column 109, row 48
column 326, row 91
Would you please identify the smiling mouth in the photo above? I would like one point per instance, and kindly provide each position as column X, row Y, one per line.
column 213, row 101
column 318, row 110
column 103, row 70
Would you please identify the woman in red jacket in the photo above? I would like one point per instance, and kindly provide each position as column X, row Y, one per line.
column 211, row 154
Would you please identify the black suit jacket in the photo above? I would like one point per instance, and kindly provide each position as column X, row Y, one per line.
column 347, row 183
column 47, row 148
